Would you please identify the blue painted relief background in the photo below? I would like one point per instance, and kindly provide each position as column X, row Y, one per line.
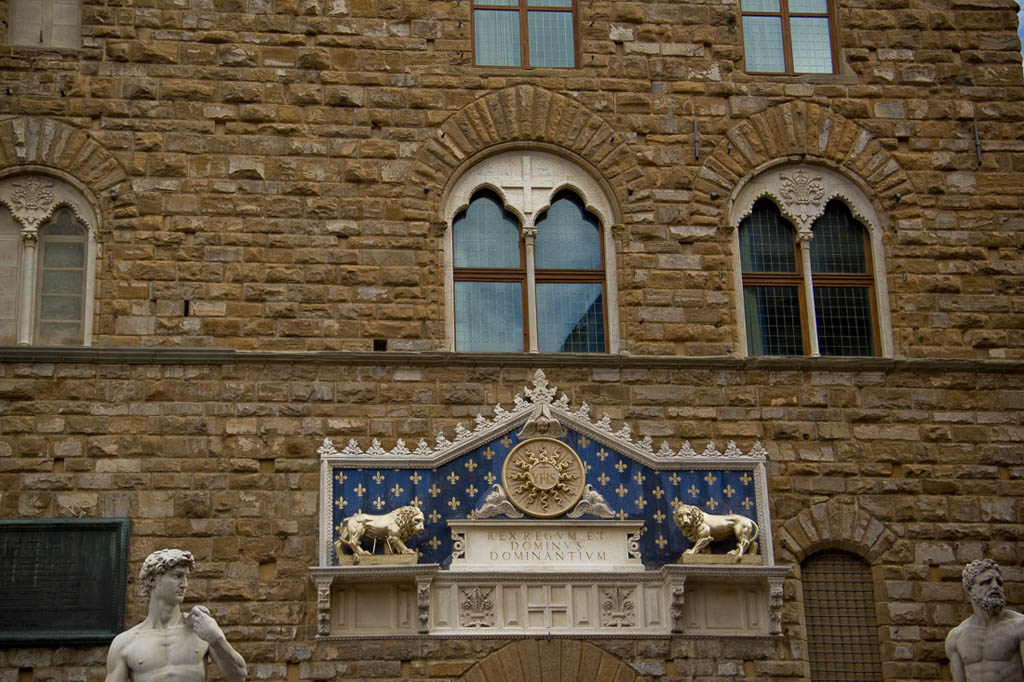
column 632, row 490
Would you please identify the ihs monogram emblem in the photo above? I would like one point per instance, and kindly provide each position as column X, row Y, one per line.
column 543, row 477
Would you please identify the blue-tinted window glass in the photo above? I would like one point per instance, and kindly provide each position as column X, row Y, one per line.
column 568, row 237
column 762, row 44
column 766, row 240
column 812, row 45
column 486, row 235
column 489, row 317
column 551, row 39
column 570, row 317
column 497, row 37
column 838, row 244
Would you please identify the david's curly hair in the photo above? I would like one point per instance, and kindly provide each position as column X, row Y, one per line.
column 158, row 563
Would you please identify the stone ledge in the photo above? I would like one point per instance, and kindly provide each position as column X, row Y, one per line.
column 227, row 356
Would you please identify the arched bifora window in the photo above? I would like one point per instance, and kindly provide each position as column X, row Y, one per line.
column 47, row 251
column 809, row 270
column 530, row 264
column 839, row 612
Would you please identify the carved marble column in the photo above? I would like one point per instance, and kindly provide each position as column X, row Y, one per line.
column 812, row 322
column 530, row 238
column 29, row 240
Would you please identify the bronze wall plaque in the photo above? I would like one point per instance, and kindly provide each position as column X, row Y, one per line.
column 62, row 580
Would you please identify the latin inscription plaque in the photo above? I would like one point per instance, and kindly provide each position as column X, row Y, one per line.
column 62, row 580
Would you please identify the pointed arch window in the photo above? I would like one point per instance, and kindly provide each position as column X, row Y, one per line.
column 811, row 291
column 529, row 258
column 47, row 250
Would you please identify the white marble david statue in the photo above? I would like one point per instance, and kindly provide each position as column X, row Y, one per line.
column 170, row 646
column 989, row 645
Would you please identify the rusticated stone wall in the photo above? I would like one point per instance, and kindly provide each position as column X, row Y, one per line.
column 914, row 465
column 280, row 165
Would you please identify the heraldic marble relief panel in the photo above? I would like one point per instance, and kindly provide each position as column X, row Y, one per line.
column 535, row 517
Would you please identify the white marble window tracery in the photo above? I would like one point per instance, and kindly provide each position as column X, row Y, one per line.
column 809, row 265
column 529, row 257
column 47, row 256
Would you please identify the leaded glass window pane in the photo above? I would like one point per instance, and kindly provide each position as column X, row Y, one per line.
column 486, row 235
column 497, row 37
column 568, row 237
column 838, row 244
column 812, row 46
column 843, row 316
column 551, row 39
column 61, row 281
column 772, row 315
column 760, row 5
column 489, row 316
column 10, row 276
column 570, row 317
column 762, row 44
column 766, row 241
column 806, row 7
column 839, row 609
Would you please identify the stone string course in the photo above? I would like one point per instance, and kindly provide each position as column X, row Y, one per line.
column 916, row 469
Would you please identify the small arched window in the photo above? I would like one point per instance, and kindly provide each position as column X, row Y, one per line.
column 530, row 268
column 47, row 250
column 839, row 612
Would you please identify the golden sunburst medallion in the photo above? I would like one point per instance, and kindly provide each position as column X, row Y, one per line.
column 543, row 477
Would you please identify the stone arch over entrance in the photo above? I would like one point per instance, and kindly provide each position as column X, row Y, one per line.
column 835, row 525
column 804, row 132
column 44, row 145
column 521, row 117
column 550, row 660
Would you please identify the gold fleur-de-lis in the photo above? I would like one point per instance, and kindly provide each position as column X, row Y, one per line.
column 505, row 442
column 658, row 516
column 488, row 453
column 674, row 478
column 745, row 478
column 710, row 478
column 641, row 503
column 639, row 478
column 378, row 478
column 712, row 504
column 378, row 503
column 359, row 490
column 622, row 490
column 621, row 466
column 657, row 492
column 583, row 441
column 341, row 477
column 693, row 491
column 397, row 490
column 747, row 503
column 434, row 542
column 676, row 502
column 602, row 454
column 453, row 503
column 453, row 477
column 728, row 491
column 471, row 465
column 622, row 515
column 434, row 516
column 471, row 490
column 490, row 478
column 340, row 502
column 434, row 490
column 587, row 467
column 661, row 541
column 416, row 502
column 415, row 478
column 603, row 479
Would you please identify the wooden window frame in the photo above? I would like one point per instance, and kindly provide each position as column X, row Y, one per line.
column 44, row 240
column 787, row 43
column 792, row 280
column 853, row 280
column 523, row 8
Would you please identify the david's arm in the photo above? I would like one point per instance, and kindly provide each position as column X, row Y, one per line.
column 117, row 666
column 230, row 662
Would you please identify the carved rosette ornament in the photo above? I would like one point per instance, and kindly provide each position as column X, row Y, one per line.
column 803, row 196
column 543, row 477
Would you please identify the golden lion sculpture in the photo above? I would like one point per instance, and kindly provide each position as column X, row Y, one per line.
column 702, row 529
column 393, row 528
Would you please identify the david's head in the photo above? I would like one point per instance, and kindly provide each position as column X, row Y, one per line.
column 165, row 574
column 983, row 583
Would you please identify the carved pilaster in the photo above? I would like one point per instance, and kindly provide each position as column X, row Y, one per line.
column 678, row 597
column 323, row 606
column 775, row 606
column 423, row 602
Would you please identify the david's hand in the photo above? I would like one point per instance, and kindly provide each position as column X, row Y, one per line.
column 203, row 624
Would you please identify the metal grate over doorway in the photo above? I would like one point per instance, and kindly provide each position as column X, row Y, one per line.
column 839, row 609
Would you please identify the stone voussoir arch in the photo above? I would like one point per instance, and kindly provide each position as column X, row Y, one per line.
column 550, row 660
column 839, row 525
column 805, row 132
column 45, row 145
column 522, row 116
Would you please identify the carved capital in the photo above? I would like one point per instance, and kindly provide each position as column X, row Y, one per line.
column 529, row 234
column 29, row 237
